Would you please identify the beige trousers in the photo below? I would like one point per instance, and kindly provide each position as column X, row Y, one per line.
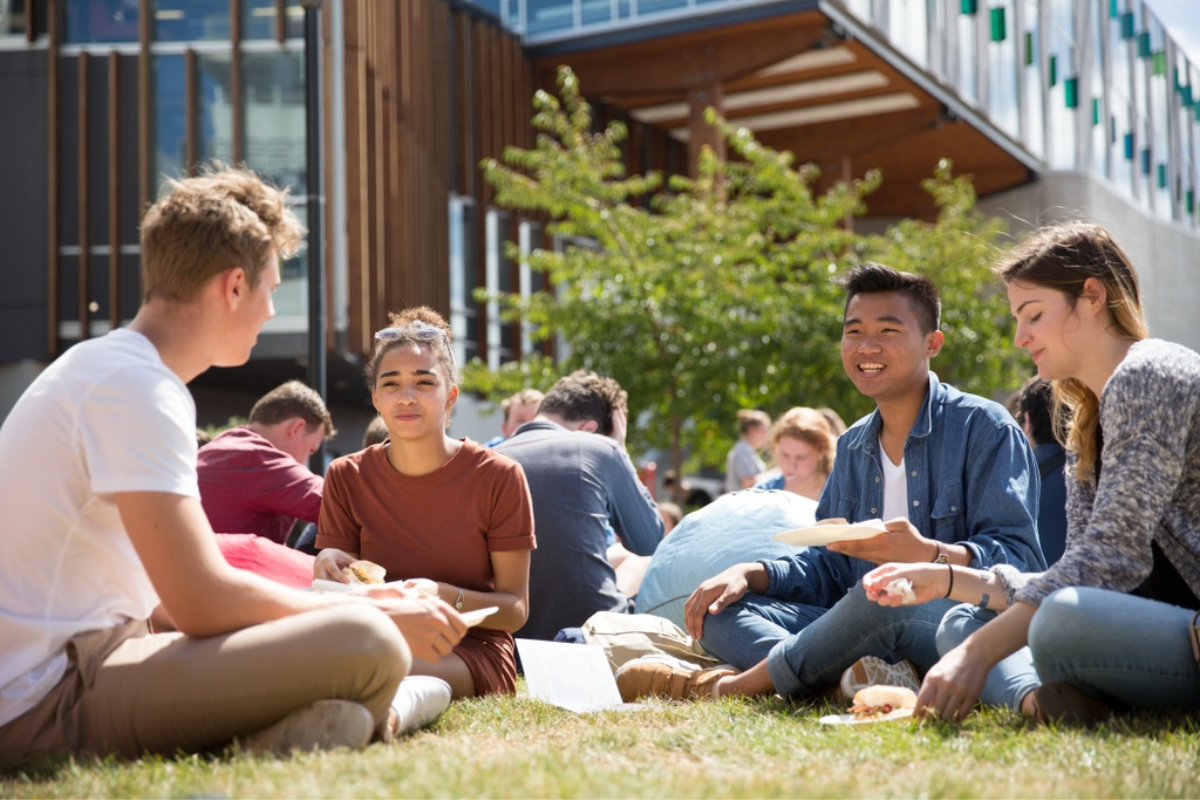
column 130, row 692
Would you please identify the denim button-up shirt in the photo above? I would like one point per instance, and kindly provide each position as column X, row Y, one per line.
column 972, row 480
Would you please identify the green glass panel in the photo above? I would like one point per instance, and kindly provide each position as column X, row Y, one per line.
column 1186, row 95
column 1028, row 49
column 1191, row 200
column 1113, row 11
column 1160, row 63
column 1143, row 44
column 1071, row 92
column 1052, row 77
column 999, row 27
column 1129, row 147
column 969, row 6
column 1162, row 175
column 1095, row 111
column 1127, row 25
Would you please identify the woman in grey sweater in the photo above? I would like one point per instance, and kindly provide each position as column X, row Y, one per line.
column 1113, row 622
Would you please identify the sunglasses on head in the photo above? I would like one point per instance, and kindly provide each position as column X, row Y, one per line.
column 420, row 331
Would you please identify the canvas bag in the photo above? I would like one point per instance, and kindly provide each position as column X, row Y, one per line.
column 625, row 637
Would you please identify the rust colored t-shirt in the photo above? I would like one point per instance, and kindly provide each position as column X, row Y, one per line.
column 442, row 526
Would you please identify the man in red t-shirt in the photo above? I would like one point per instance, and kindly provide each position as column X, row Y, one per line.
column 254, row 478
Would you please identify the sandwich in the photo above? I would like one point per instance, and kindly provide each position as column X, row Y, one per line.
column 878, row 702
column 363, row 571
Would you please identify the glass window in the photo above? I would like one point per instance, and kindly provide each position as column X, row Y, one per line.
column 258, row 19
column 273, row 91
column 88, row 21
column 531, row 281
column 1002, row 74
column 216, row 108
column 1062, row 144
column 170, row 117
column 291, row 298
column 1035, row 88
column 464, row 271
column 968, row 70
column 499, row 270
column 908, row 28
column 191, row 20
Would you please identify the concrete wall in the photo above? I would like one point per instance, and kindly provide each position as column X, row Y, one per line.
column 1167, row 255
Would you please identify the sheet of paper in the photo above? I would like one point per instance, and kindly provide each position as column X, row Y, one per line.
column 571, row 676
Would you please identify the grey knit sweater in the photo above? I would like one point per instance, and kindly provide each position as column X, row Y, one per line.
column 1149, row 488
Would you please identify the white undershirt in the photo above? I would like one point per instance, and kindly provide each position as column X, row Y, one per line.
column 895, row 487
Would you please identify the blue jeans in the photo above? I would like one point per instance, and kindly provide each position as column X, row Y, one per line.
column 1011, row 679
column 1117, row 647
column 808, row 648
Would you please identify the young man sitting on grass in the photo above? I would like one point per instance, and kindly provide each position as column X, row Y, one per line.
column 104, row 527
column 950, row 472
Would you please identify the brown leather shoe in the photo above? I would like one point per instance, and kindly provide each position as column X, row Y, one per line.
column 652, row 677
column 1066, row 705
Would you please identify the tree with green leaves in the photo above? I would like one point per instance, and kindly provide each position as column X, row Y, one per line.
column 715, row 293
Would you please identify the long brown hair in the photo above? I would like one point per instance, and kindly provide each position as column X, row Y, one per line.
column 1063, row 257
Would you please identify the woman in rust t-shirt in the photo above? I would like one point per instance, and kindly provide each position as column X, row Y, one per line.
column 425, row 505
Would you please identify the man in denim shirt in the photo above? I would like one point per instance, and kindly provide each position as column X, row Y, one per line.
column 951, row 473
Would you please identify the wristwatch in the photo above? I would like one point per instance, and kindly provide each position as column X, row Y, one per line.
column 942, row 556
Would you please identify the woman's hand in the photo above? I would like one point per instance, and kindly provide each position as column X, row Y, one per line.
column 953, row 685
column 330, row 563
column 929, row 582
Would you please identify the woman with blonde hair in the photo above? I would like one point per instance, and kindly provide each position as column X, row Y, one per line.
column 1113, row 622
column 803, row 448
column 427, row 506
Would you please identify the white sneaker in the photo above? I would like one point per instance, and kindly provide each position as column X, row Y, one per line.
column 873, row 671
column 420, row 700
column 323, row 725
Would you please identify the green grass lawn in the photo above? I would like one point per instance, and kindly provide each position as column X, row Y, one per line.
column 516, row 747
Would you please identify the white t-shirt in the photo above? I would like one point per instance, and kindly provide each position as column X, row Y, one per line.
column 107, row 416
column 895, row 487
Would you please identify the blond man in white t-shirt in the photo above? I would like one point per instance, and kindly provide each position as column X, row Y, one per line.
column 104, row 527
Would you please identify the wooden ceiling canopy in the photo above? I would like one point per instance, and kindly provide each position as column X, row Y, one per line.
column 799, row 86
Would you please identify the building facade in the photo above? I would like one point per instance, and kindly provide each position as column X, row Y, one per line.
column 1082, row 108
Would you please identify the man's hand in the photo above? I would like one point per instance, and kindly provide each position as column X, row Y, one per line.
column 901, row 543
column 430, row 627
column 620, row 424
column 716, row 593
column 330, row 562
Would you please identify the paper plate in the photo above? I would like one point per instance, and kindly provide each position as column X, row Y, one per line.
column 322, row 586
column 850, row 719
column 821, row 535
column 473, row 618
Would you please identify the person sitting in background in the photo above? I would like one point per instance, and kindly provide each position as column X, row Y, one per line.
column 743, row 465
column 449, row 514
column 836, row 423
column 1112, row 624
column 375, row 433
column 517, row 410
column 581, row 480
column 735, row 528
column 802, row 446
column 1031, row 407
column 951, row 475
column 254, row 478
column 630, row 567
column 104, row 528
